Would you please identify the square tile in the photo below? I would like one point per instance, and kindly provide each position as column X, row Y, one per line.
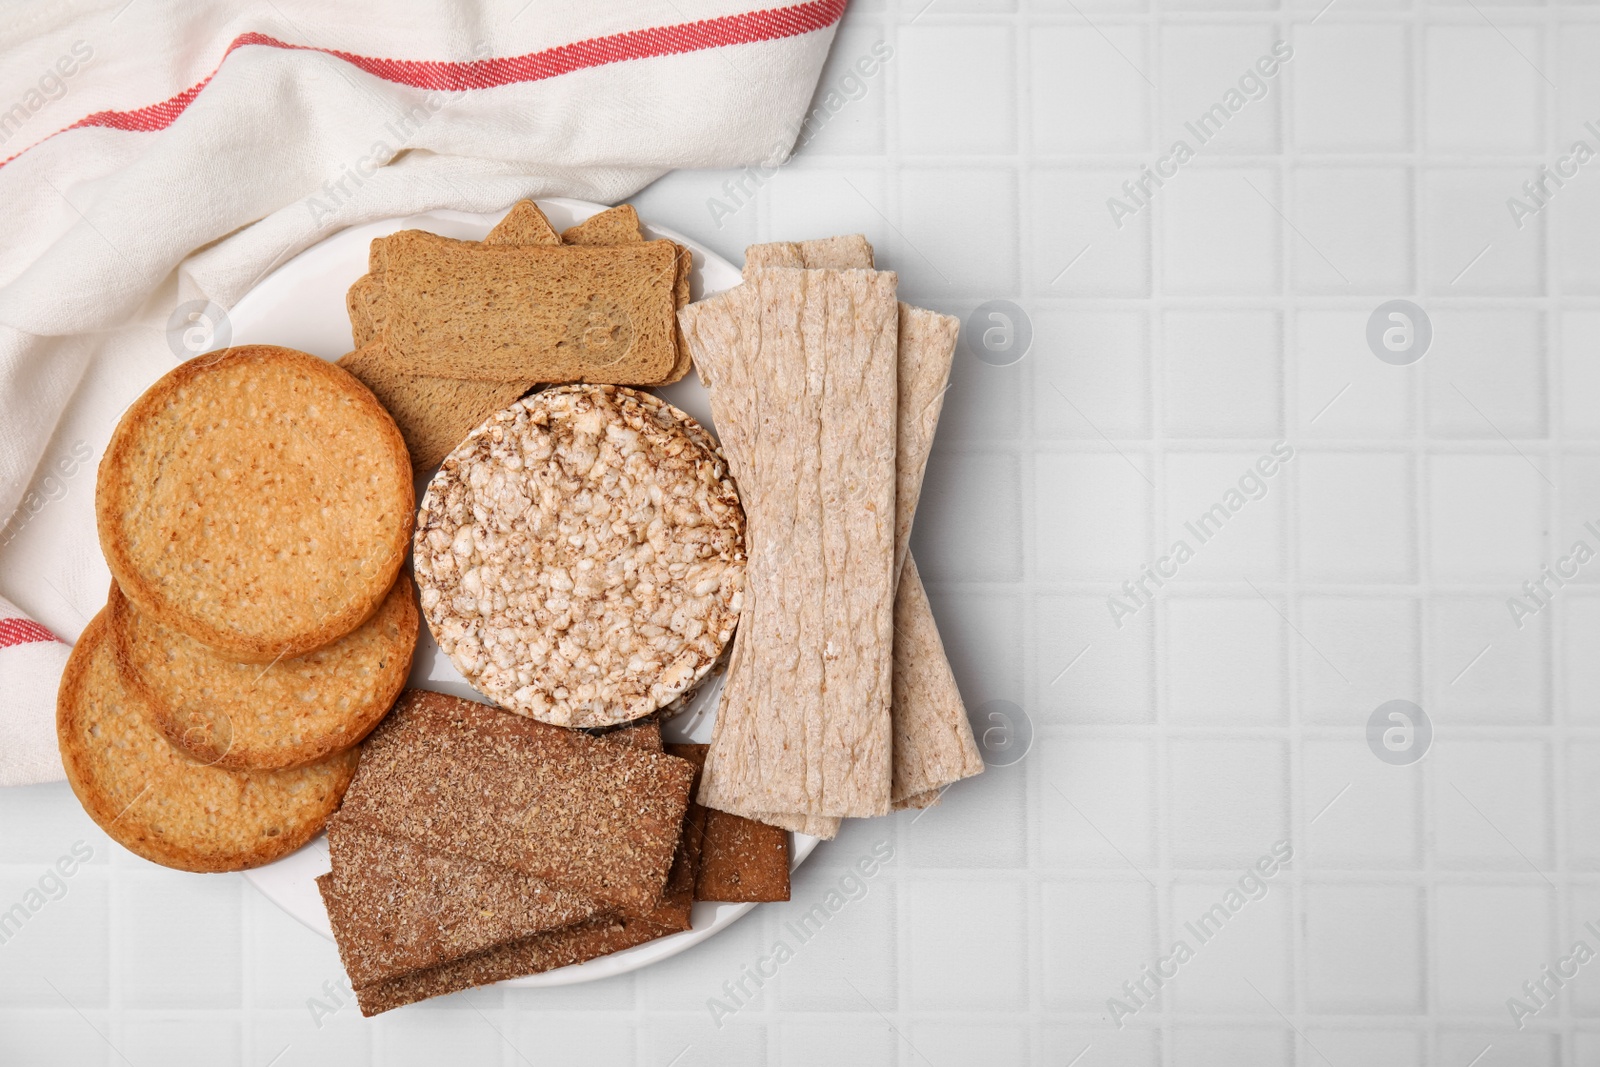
column 1487, row 517
column 1363, row 949
column 1357, row 516
column 1582, row 803
column 1090, row 89
column 1091, row 374
column 1481, row 667
column 941, row 114
column 45, row 824
column 956, row 962
column 36, row 1038
column 1350, row 646
column 1089, row 667
column 802, row 1043
column 937, row 250
column 1579, row 402
column 1095, row 936
column 1360, row 812
column 696, row 1043
column 1225, row 663
column 1222, row 509
column 1096, row 1047
column 1080, row 247
column 975, row 826
column 1352, row 87
column 1581, row 669
column 291, row 965
column 1488, row 939
column 1093, row 509
column 556, row 1037
column 1234, row 801
column 1570, row 559
column 1354, row 228
column 1239, row 932
column 982, row 402
column 955, row 1044
column 1097, row 803
column 854, row 198
column 1205, row 1046
column 1574, row 225
column 1485, row 375
column 1468, row 247
column 1372, row 1047
column 972, row 501
column 982, row 636
column 1496, row 1048
column 1211, row 93
column 1343, row 389
column 41, row 913
column 1221, row 373
column 1491, row 803
column 418, row 1038
column 181, row 1040
column 1484, row 90
column 857, row 943
column 1221, row 232
column 178, row 940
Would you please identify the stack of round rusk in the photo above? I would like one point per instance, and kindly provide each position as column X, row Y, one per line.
column 255, row 507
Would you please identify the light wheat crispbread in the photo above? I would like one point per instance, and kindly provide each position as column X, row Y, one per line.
column 458, row 309
column 524, row 224
column 846, row 252
column 581, row 555
column 246, row 716
column 597, row 818
column 258, row 500
column 613, row 226
column 802, row 371
column 161, row 805
column 433, row 414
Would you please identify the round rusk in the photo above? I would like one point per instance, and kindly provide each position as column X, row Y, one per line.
column 252, row 716
column 257, row 499
column 164, row 806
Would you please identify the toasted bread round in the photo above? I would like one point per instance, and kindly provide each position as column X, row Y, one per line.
column 250, row 716
column 258, row 500
column 164, row 806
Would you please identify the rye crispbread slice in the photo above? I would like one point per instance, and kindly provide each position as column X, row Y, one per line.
column 433, row 414
column 163, row 806
column 258, row 500
column 802, row 371
column 459, row 309
column 933, row 743
column 738, row 860
column 524, row 224
column 457, row 776
column 244, row 716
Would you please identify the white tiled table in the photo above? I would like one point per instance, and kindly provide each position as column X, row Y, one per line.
column 1230, row 713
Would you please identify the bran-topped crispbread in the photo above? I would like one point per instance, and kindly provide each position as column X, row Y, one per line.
column 459, row 309
column 162, row 805
column 802, row 371
column 736, row 859
column 456, row 776
column 250, row 716
column 581, row 555
column 258, row 500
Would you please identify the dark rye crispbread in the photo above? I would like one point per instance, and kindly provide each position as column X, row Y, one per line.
column 246, row 716
column 459, row 309
column 738, row 859
column 257, row 499
column 161, row 805
column 599, row 936
column 462, row 777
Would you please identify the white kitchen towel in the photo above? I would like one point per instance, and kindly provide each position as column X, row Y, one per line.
column 157, row 152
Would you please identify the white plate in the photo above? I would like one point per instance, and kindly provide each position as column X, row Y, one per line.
column 301, row 305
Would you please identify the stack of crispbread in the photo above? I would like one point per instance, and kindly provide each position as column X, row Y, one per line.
column 839, row 700
column 475, row 846
column 254, row 507
column 448, row 332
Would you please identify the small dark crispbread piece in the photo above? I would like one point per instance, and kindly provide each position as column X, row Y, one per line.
column 525, row 224
column 531, row 955
column 458, row 309
column 244, row 716
column 739, row 859
column 407, row 908
column 161, row 805
column 457, row 776
column 434, row 414
column 642, row 734
column 257, row 499
column 613, row 226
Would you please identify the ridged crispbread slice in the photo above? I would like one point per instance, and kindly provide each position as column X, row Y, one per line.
column 160, row 804
column 246, row 716
column 459, row 309
column 802, row 370
column 258, row 500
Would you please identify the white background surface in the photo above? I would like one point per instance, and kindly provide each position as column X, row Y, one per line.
column 1228, row 715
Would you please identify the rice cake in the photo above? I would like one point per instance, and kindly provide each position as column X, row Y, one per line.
column 461, row 777
column 458, row 309
column 245, row 716
column 581, row 555
column 258, row 500
column 163, row 806
column 802, row 371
